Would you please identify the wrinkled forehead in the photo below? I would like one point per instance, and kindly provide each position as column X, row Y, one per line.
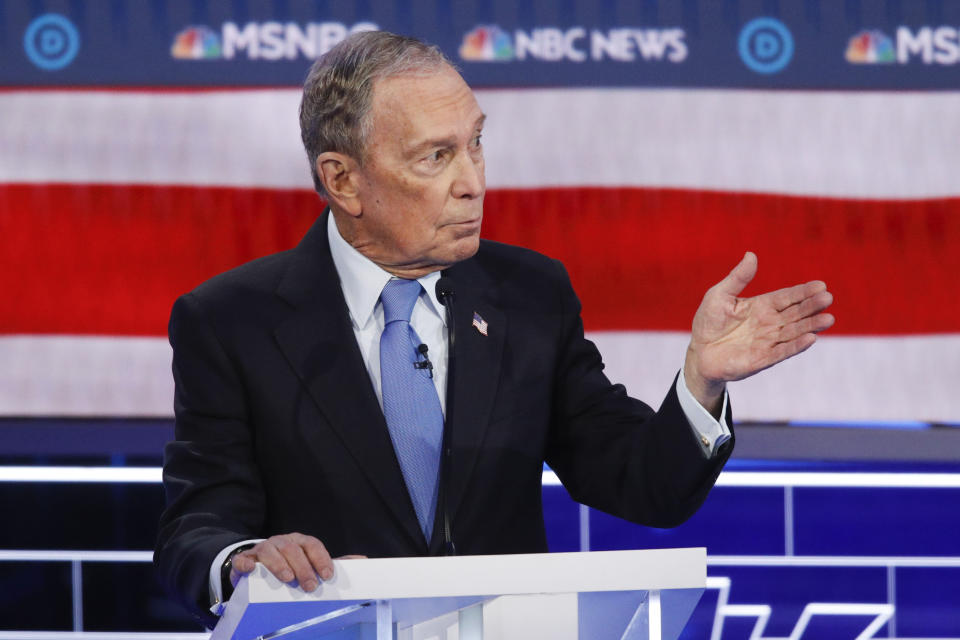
column 424, row 103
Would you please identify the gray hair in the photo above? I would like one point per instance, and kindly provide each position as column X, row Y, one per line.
column 338, row 91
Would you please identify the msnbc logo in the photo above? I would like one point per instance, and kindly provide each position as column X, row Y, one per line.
column 870, row 47
column 486, row 43
column 196, row 43
column 269, row 41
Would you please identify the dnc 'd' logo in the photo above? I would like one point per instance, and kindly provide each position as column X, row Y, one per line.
column 871, row 47
column 765, row 45
column 51, row 42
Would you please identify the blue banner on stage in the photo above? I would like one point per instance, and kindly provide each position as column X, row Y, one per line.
column 802, row 44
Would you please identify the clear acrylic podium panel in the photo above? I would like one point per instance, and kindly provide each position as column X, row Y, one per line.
column 609, row 594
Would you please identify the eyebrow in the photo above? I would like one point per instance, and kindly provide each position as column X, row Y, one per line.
column 445, row 142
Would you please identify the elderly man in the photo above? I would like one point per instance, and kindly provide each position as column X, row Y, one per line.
column 333, row 400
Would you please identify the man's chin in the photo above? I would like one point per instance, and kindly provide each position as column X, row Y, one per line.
column 467, row 247
column 459, row 251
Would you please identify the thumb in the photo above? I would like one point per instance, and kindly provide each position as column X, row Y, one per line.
column 242, row 563
column 737, row 280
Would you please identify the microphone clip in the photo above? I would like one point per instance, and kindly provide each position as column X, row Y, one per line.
column 425, row 363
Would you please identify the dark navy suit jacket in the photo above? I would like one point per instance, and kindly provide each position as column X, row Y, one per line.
column 278, row 428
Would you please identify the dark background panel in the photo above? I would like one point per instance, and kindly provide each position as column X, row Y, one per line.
column 35, row 596
column 928, row 602
column 91, row 516
column 733, row 521
column 121, row 596
column 876, row 522
column 138, row 441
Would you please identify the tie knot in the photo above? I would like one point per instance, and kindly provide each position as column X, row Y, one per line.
column 398, row 297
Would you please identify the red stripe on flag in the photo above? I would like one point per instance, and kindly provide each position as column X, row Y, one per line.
column 110, row 259
column 642, row 258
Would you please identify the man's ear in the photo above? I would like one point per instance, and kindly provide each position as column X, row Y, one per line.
column 340, row 177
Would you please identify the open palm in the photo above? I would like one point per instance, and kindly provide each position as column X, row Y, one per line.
column 734, row 338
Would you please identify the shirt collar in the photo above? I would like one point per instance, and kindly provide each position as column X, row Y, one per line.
column 362, row 280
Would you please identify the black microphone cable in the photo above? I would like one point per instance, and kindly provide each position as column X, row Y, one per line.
column 445, row 295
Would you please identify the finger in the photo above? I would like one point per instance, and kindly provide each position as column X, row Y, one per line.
column 813, row 324
column 737, row 280
column 318, row 557
column 784, row 298
column 791, row 348
column 824, row 322
column 274, row 561
column 807, row 307
column 244, row 562
column 290, row 547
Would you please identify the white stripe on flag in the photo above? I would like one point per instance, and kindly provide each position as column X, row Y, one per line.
column 861, row 378
column 839, row 379
column 85, row 376
column 838, row 144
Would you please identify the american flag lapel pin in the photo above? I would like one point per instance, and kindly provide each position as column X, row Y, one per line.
column 479, row 324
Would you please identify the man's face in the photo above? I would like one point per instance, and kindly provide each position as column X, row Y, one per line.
column 421, row 184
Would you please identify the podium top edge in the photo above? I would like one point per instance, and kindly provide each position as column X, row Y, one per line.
column 493, row 575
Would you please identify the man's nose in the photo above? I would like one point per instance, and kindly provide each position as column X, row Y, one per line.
column 469, row 182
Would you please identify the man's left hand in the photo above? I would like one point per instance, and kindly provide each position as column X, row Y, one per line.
column 734, row 338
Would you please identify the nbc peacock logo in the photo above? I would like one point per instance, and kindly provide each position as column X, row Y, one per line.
column 196, row 43
column 486, row 43
column 870, row 47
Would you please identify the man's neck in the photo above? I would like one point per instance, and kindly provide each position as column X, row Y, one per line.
column 367, row 249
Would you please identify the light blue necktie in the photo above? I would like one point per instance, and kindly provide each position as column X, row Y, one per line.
column 410, row 402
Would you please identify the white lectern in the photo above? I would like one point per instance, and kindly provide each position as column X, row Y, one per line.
column 555, row 596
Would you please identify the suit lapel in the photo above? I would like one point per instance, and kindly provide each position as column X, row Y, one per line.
column 475, row 374
column 317, row 340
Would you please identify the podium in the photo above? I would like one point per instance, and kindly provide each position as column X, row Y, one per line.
column 626, row 595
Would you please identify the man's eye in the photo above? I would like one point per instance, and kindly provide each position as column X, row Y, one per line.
column 476, row 141
column 435, row 157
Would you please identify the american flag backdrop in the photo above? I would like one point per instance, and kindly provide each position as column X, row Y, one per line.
column 115, row 198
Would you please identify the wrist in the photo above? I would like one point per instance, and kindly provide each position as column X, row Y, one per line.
column 707, row 391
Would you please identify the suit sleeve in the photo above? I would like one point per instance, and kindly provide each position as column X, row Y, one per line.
column 615, row 453
column 212, row 482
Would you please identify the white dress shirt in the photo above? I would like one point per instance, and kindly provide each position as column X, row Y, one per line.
column 362, row 281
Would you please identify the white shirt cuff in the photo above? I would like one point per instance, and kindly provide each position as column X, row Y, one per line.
column 710, row 432
column 216, row 587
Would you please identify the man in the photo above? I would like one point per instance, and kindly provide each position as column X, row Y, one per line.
column 313, row 392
